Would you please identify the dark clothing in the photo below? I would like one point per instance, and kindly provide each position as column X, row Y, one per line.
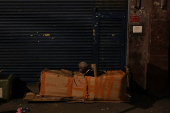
column 89, row 73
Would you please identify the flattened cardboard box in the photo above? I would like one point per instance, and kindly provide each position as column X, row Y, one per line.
column 110, row 86
column 79, row 87
column 53, row 84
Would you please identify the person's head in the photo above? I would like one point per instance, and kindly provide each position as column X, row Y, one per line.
column 83, row 67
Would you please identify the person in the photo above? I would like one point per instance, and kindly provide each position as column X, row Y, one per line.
column 83, row 67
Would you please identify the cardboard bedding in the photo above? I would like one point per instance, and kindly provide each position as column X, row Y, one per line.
column 109, row 86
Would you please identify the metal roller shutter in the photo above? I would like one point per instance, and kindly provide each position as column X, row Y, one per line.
column 24, row 51
column 111, row 44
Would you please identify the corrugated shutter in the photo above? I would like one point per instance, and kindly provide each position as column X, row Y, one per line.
column 24, row 51
column 111, row 44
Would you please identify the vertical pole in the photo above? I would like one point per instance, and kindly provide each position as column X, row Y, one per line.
column 95, row 37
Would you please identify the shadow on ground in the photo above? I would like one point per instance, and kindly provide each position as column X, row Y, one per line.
column 12, row 111
column 141, row 98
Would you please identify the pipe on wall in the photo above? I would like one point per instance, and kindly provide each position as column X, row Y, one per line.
column 163, row 4
column 138, row 4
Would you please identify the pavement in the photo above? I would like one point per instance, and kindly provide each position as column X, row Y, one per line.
column 140, row 103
